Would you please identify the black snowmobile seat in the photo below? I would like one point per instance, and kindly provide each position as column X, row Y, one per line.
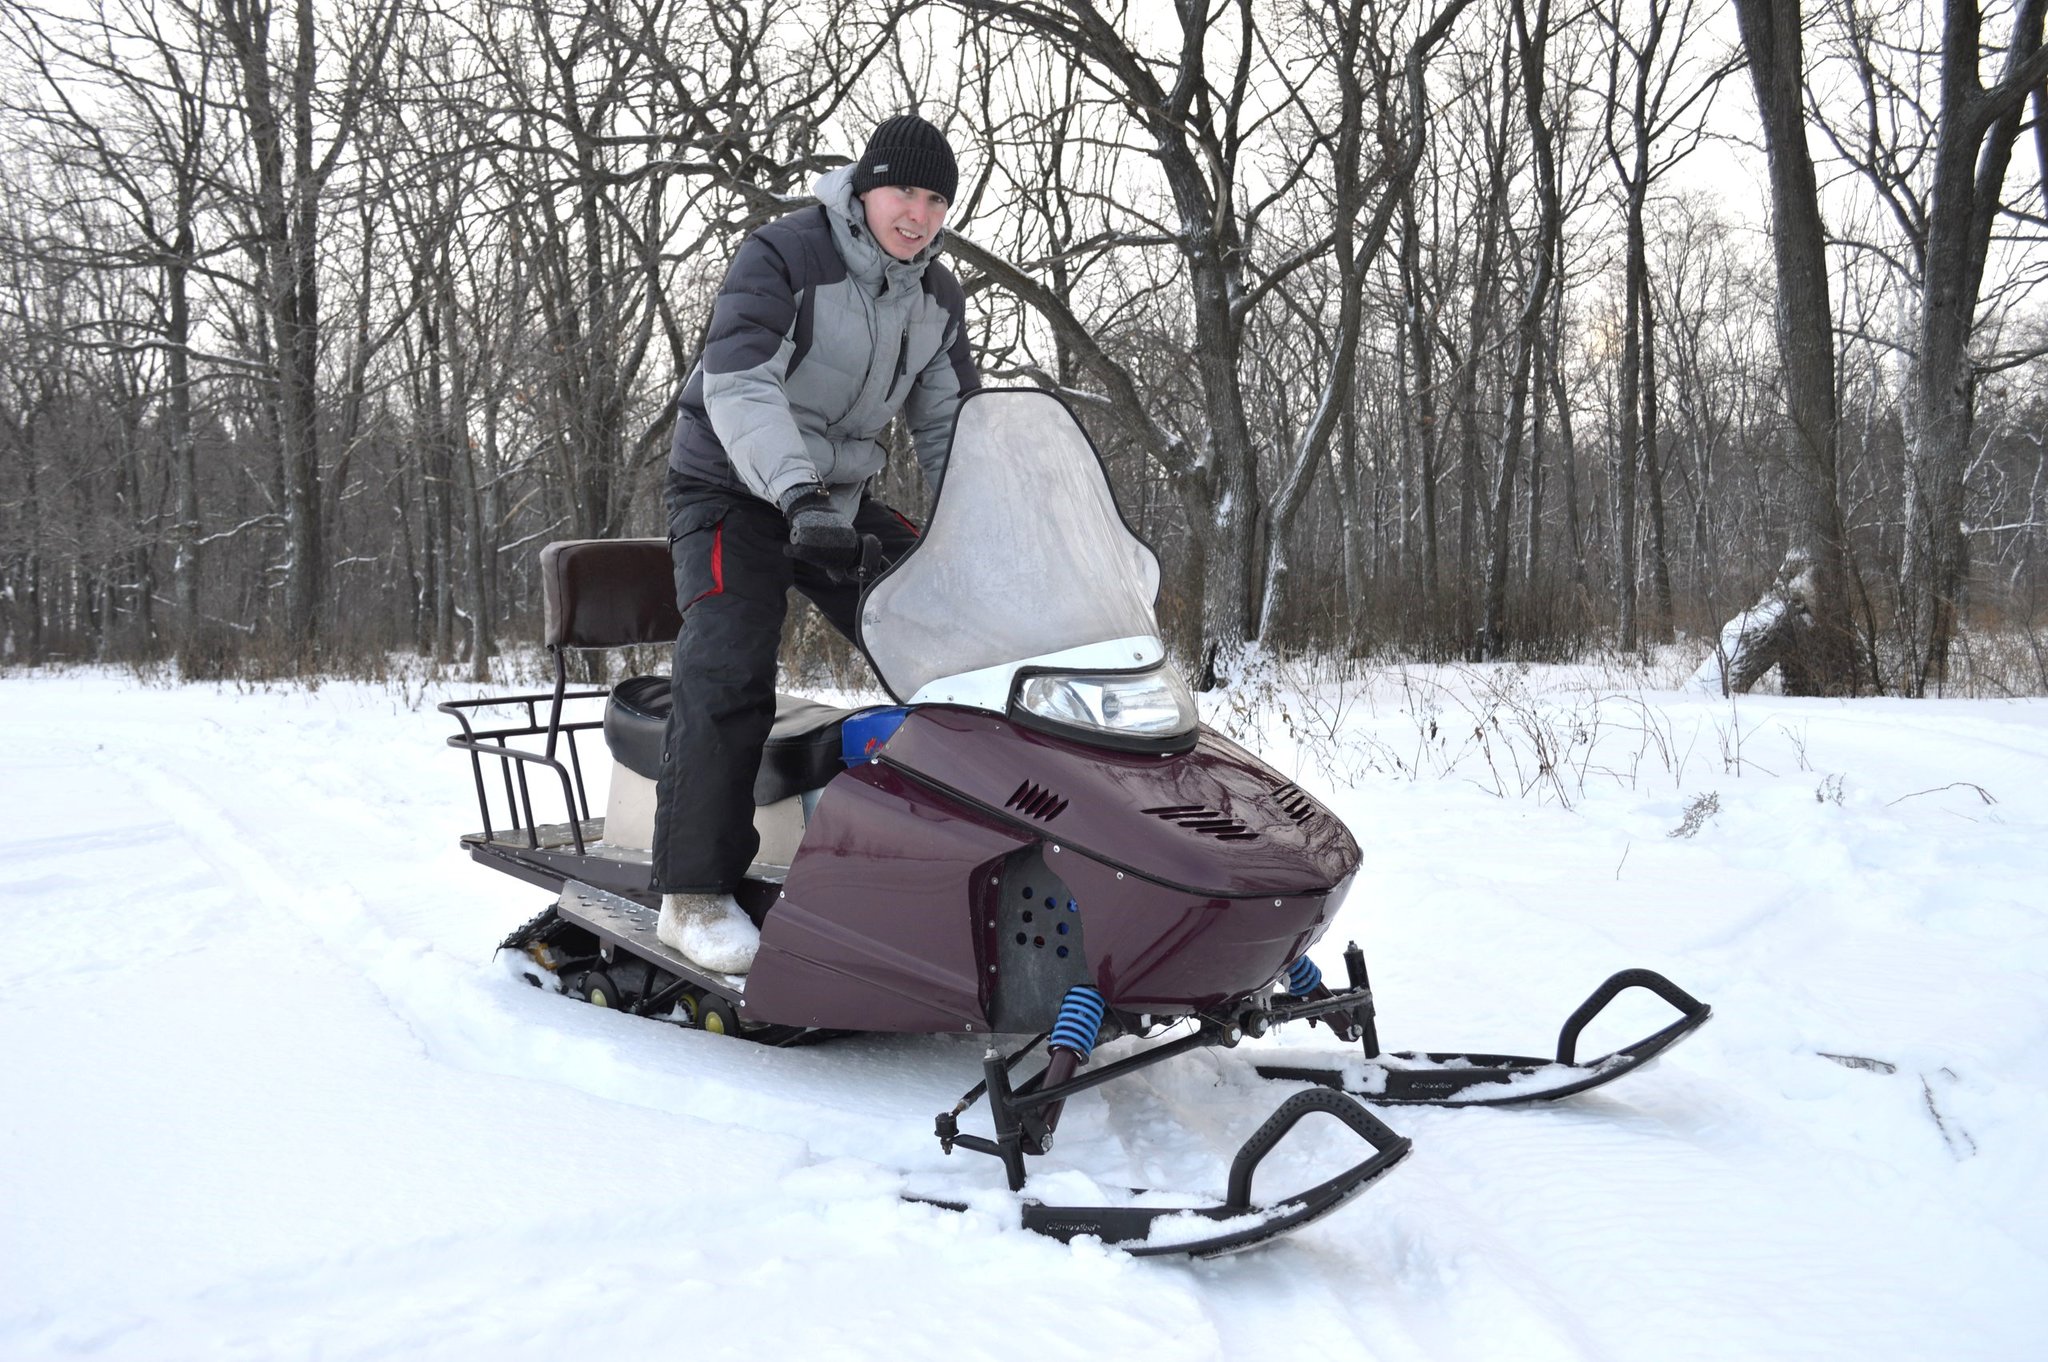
column 609, row 593
column 802, row 751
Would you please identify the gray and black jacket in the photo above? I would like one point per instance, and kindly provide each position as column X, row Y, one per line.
column 818, row 338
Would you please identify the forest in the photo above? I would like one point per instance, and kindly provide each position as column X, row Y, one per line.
column 1408, row 329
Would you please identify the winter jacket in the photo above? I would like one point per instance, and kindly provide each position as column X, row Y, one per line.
column 818, row 338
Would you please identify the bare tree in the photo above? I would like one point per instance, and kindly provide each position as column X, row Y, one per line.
column 127, row 103
column 1802, row 624
column 1196, row 121
column 1975, row 129
column 299, row 129
column 1362, row 57
column 1531, row 42
column 1661, row 98
column 319, row 314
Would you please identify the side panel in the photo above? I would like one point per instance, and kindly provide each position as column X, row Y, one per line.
column 881, row 924
column 629, row 809
column 1157, row 949
column 1041, row 943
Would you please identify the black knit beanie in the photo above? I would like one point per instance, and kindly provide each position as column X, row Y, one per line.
column 906, row 150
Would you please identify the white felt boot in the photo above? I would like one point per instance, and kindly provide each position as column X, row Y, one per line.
column 710, row 930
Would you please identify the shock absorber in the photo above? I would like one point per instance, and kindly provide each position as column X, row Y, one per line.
column 1068, row 1046
column 1303, row 978
column 1080, row 1022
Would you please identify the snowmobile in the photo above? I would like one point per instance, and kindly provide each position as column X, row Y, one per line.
column 1038, row 838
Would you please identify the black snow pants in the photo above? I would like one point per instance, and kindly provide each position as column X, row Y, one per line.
column 732, row 583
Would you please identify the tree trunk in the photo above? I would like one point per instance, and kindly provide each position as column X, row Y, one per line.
column 437, row 466
column 1653, row 469
column 1532, row 41
column 289, row 186
column 482, row 643
column 1465, row 399
column 1357, row 519
column 1417, row 329
column 280, row 265
column 1974, row 137
column 1815, row 646
column 1628, row 411
column 1539, row 401
column 1568, row 456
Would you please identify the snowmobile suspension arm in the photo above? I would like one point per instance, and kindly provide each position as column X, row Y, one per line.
column 1020, row 1127
column 1021, row 1112
column 1030, row 1097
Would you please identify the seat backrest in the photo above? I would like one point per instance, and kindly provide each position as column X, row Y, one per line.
column 609, row 593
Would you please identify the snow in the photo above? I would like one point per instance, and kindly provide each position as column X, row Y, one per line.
column 270, row 1096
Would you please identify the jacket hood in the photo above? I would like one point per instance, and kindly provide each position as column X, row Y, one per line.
column 857, row 246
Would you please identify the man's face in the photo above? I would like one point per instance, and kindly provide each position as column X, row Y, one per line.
column 902, row 218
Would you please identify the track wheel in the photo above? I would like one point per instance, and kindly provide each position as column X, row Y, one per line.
column 599, row 989
column 716, row 1016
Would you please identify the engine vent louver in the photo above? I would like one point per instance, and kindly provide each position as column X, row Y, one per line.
column 1295, row 802
column 1036, row 802
column 1208, row 822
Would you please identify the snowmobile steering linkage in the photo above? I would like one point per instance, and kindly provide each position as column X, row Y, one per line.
column 1026, row 1114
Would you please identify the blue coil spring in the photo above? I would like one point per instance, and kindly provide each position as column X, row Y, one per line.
column 1080, row 1021
column 1303, row 978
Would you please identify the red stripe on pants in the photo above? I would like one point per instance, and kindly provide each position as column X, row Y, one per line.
column 717, row 586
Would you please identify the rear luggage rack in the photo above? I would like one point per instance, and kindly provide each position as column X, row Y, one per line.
column 545, row 837
column 598, row 593
column 513, row 761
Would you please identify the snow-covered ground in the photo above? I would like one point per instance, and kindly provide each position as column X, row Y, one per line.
column 268, row 1095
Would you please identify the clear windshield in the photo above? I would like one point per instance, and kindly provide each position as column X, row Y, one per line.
column 1025, row 554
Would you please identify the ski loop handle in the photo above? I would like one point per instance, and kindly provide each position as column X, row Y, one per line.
column 1616, row 985
column 1238, row 1196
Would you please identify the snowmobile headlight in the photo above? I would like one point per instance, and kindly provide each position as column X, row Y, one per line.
column 1148, row 706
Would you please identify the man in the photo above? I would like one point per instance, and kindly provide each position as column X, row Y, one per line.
column 831, row 321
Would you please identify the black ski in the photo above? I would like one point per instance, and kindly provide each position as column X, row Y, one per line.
column 1453, row 1079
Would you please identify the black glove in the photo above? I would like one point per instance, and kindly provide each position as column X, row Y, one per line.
column 819, row 533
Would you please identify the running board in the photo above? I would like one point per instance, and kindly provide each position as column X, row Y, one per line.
column 1451, row 1079
column 619, row 922
column 1237, row 1223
